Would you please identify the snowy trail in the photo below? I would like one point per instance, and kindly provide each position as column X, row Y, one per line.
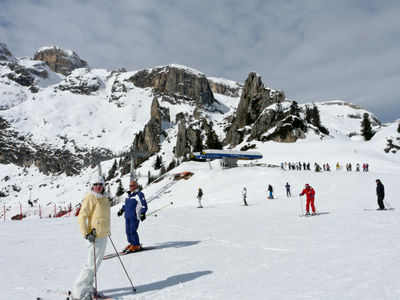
column 226, row 250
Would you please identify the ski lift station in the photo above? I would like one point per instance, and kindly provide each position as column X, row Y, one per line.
column 228, row 158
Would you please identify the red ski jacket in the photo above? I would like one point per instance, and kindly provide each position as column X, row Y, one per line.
column 309, row 193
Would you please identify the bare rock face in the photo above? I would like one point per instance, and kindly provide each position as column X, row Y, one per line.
column 177, row 82
column 182, row 147
column 225, row 89
column 254, row 99
column 59, row 60
column 21, row 151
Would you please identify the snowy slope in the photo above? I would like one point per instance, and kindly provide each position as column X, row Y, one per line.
column 226, row 250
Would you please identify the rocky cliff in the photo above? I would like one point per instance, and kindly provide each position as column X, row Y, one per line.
column 177, row 82
column 60, row 60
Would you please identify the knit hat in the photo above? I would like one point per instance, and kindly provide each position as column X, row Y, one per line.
column 97, row 179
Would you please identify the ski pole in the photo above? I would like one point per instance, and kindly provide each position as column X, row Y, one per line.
column 387, row 204
column 133, row 288
column 154, row 211
column 301, row 203
column 95, row 269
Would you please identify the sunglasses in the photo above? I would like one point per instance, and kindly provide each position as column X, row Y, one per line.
column 97, row 184
column 132, row 185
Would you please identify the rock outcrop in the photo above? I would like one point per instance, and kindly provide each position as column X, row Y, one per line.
column 182, row 147
column 19, row 150
column 179, row 83
column 59, row 60
column 254, row 99
column 219, row 87
column 81, row 82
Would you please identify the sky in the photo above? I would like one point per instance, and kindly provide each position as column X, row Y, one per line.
column 312, row 50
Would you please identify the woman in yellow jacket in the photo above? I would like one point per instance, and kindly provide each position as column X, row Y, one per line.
column 94, row 223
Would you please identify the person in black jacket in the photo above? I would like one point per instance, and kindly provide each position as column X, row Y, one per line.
column 380, row 192
column 199, row 196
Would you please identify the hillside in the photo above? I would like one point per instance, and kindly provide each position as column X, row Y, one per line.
column 55, row 124
column 226, row 250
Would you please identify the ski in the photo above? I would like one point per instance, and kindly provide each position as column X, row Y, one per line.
column 112, row 255
column 52, row 293
column 316, row 214
column 68, row 296
column 376, row 209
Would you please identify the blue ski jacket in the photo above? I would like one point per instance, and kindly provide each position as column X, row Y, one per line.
column 135, row 205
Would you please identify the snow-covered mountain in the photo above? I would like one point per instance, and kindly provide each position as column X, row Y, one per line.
column 53, row 126
column 57, row 117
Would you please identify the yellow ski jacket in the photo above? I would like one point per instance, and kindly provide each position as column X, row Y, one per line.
column 95, row 213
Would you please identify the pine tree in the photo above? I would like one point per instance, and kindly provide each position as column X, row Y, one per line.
column 366, row 128
column 316, row 119
column 120, row 189
column 279, row 110
column 111, row 172
column 294, row 109
column 150, row 178
column 398, row 128
column 171, row 165
column 308, row 115
column 198, row 147
column 158, row 162
column 212, row 141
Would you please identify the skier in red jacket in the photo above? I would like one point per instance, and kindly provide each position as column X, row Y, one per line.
column 310, row 193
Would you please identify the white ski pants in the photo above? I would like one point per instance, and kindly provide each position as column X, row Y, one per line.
column 83, row 287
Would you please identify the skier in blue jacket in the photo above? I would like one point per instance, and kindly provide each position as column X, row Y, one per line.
column 135, row 211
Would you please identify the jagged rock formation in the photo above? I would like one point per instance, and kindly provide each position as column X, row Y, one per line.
column 182, row 147
column 177, row 83
column 254, row 99
column 59, row 60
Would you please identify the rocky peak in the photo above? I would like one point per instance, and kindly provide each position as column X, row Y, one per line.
column 254, row 99
column 60, row 60
column 177, row 82
column 6, row 54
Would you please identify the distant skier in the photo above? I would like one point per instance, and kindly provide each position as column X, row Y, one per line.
column 94, row 223
column 244, row 195
column 270, row 190
column 135, row 211
column 199, row 196
column 310, row 193
column 380, row 192
column 30, row 202
column 287, row 186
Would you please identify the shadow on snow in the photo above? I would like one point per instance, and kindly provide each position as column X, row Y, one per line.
column 155, row 286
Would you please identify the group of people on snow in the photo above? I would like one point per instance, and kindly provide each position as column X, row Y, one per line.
column 317, row 167
column 94, row 224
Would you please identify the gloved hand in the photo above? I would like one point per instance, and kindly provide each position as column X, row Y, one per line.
column 142, row 217
column 300, row 194
column 91, row 237
column 120, row 212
